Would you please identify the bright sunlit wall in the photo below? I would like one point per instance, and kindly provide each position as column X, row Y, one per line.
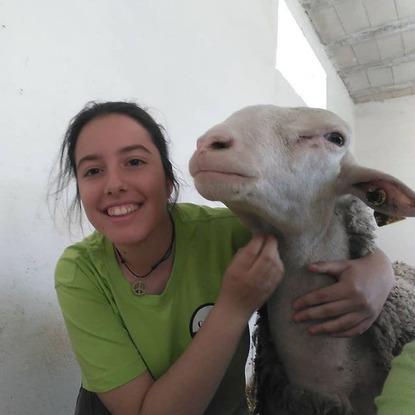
column 297, row 61
column 204, row 61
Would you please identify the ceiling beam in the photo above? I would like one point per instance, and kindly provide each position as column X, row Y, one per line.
column 383, row 96
column 387, row 29
column 316, row 4
column 395, row 88
column 385, row 63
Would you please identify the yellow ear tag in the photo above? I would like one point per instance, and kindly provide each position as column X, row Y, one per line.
column 382, row 219
column 376, row 196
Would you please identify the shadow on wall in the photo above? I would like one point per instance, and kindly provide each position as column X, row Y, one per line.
column 39, row 373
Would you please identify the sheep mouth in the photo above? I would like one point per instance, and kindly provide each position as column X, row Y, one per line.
column 221, row 173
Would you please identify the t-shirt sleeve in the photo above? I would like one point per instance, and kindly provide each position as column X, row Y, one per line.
column 398, row 395
column 102, row 345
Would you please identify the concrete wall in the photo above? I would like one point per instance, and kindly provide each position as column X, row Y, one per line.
column 385, row 140
column 192, row 62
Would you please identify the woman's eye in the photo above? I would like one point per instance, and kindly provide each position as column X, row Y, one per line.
column 135, row 162
column 336, row 138
column 92, row 172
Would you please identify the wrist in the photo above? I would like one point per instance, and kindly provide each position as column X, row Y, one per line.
column 233, row 311
column 385, row 266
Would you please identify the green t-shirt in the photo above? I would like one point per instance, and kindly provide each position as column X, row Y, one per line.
column 398, row 395
column 116, row 335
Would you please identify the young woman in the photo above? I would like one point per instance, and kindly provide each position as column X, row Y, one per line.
column 157, row 300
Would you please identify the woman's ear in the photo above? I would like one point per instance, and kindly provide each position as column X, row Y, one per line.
column 380, row 191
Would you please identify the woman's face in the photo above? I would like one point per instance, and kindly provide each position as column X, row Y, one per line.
column 121, row 181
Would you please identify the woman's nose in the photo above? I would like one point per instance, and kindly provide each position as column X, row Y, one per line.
column 115, row 183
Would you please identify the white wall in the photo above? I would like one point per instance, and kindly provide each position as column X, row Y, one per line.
column 193, row 62
column 385, row 134
column 338, row 99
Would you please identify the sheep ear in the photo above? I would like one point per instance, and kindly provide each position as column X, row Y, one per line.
column 383, row 193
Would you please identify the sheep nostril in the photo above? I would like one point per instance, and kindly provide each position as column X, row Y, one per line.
column 220, row 144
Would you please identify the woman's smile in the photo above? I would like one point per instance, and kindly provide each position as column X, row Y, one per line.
column 122, row 210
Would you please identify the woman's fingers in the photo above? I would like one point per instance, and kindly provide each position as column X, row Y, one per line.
column 320, row 296
column 268, row 268
column 333, row 268
column 355, row 330
column 334, row 292
column 343, row 326
column 269, row 257
column 253, row 275
column 323, row 311
column 246, row 256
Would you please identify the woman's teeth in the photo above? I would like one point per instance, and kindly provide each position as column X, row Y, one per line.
column 121, row 210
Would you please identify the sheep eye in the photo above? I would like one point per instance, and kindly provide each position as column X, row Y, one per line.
column 335, row 138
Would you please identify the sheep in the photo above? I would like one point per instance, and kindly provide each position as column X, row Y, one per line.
column 288, row 171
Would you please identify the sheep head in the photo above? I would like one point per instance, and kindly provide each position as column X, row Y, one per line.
column 285, row 166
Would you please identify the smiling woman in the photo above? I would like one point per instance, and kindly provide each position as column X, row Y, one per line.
column 129, row 293
column 157, row 300
column 121, row 182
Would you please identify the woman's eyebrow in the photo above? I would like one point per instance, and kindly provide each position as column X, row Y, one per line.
column 133, row 147
column 89, row 157
column 123, row 150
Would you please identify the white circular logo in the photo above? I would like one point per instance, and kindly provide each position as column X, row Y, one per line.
column 198, row 318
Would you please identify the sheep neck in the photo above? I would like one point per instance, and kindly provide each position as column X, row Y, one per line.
column 300, row 237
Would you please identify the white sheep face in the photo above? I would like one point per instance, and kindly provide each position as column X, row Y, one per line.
column 266, row 158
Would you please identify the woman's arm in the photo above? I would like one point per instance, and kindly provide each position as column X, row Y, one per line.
column 354, row 302
column 190, row 383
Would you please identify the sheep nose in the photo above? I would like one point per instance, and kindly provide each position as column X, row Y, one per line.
column 213, row 143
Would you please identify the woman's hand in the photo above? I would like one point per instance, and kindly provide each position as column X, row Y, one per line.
column 354, row 302
column 253, row 275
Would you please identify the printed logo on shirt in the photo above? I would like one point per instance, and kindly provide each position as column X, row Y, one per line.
column 198, row 318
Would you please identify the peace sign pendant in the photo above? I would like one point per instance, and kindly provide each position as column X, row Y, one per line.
column 139, row 288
